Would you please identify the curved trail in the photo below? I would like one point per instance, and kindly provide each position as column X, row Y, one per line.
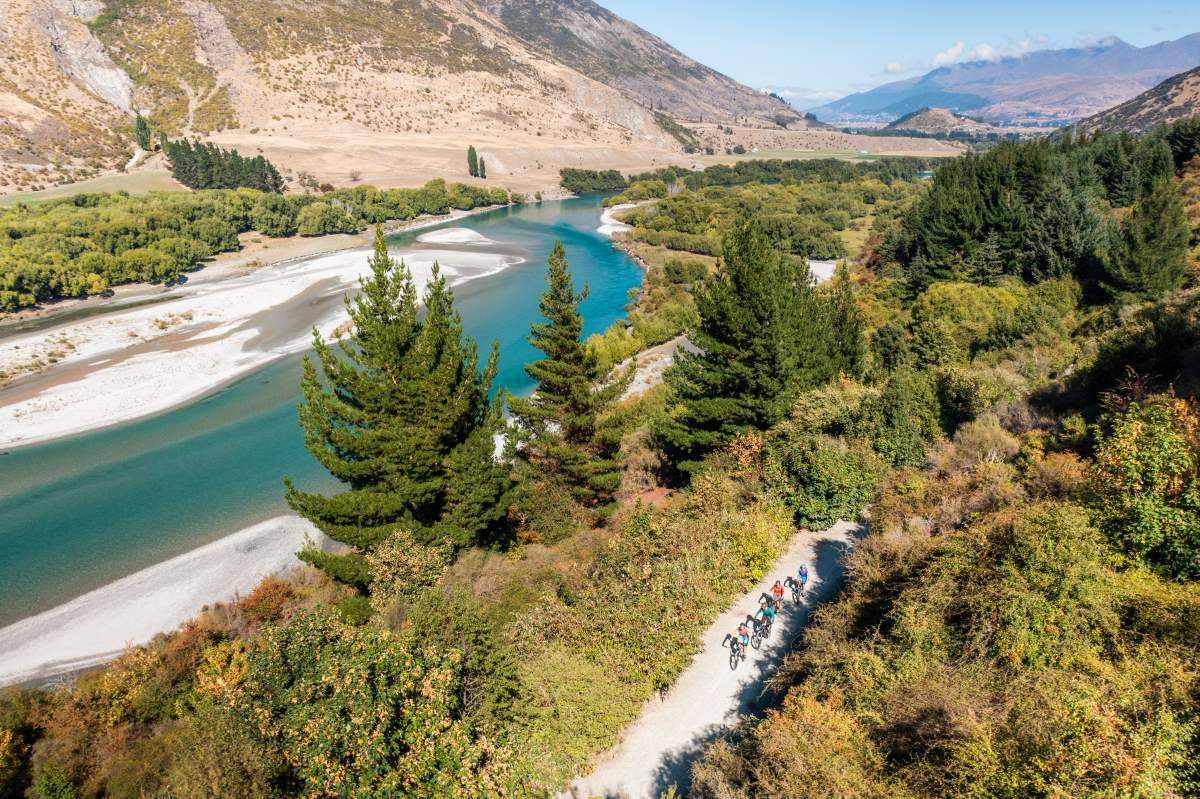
column 658, row 749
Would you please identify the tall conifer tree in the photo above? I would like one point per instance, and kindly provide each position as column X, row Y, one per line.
column 763, row 336
column 402, row 417
column 1151, row 256
column 556, row 426
column 472, row 162
column 846, row 326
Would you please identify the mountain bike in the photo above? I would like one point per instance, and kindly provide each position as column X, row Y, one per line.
column 737, row 653
column 762, row 631
column 797, row 590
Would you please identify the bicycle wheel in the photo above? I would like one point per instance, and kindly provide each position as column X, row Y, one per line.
column 734, row 657
column 755, row 640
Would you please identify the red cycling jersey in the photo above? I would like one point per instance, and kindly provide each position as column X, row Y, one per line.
column 777, row 591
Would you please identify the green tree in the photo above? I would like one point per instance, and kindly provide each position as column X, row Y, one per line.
column 404, row 420
column 472, row 162
column 1152, row 254
column 141, row 130
column 556, row 430
column 482, row 169
column 763, row 336
column 846, row 326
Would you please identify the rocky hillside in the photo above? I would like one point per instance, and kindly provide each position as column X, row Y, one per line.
column 1174, row 99
column 385, row 90
column 1047, row 86
column 602, row 45
column 942, row 122
column 63, row 102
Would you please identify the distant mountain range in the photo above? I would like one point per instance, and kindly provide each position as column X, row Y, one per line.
column 1047, row 87
column 1175, row 98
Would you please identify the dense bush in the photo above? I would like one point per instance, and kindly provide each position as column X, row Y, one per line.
column 590, row 181
column 1146, row 484
column 86, row 243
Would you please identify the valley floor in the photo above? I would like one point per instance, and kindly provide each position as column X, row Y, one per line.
column 657, row 750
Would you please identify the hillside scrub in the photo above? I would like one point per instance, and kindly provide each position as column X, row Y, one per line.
column 1021, row 619
column 84, row 244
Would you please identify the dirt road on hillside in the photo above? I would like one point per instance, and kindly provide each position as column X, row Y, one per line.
column 658, row 749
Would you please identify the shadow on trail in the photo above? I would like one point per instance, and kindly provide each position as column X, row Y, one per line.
column 755, row 696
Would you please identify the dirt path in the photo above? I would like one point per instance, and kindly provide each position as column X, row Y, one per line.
column 657, row 751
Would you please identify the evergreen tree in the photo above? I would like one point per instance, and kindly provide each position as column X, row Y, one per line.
column 1151, row 256
column 141, row 130
column 763, row 336
column 846, row 326
column 472, row 162
column 556, row 426
column 482, row 169
column 986, row 264
column 403, row 419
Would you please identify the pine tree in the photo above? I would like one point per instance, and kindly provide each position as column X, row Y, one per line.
column 472, row 162
column 1151, row 256
column 986, row 264
column 482, row 169
column 846, row 326
column 403, row 419
column 556, row 427
column 141, row 130
column 763, row 336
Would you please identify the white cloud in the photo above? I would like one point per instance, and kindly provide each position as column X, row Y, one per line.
column 984, row 51
column 951, row 55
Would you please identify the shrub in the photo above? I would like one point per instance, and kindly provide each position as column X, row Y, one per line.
column 357, row 713
column 982, row 441
column 821, row 479
column 1145, row 486
column 402, row 567
column 902, row 421
column 321, row 218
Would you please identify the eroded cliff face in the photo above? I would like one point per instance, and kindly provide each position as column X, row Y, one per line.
column 80, row 54
column 64, row 103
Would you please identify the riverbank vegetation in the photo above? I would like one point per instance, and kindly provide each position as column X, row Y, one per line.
column 1020, row 619
column 84, row 244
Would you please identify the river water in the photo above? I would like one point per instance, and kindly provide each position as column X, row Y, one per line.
column 81, row 512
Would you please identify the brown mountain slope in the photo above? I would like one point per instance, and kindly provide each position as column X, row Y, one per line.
column 331, row 87
column 937, row 121
column 386, row 91
column 62, row 100
column 1175, row 98
column 600, row 44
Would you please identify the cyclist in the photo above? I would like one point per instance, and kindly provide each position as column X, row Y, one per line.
column 765, row 615
column 743, row 634
column 803, row 575
column 777, row 595
column 797, row 589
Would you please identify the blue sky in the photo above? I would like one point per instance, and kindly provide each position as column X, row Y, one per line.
column 832, row 49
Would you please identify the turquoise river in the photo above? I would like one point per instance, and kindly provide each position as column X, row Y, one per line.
column 80, row 512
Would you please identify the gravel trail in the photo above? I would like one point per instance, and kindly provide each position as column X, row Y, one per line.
column 657, row 750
